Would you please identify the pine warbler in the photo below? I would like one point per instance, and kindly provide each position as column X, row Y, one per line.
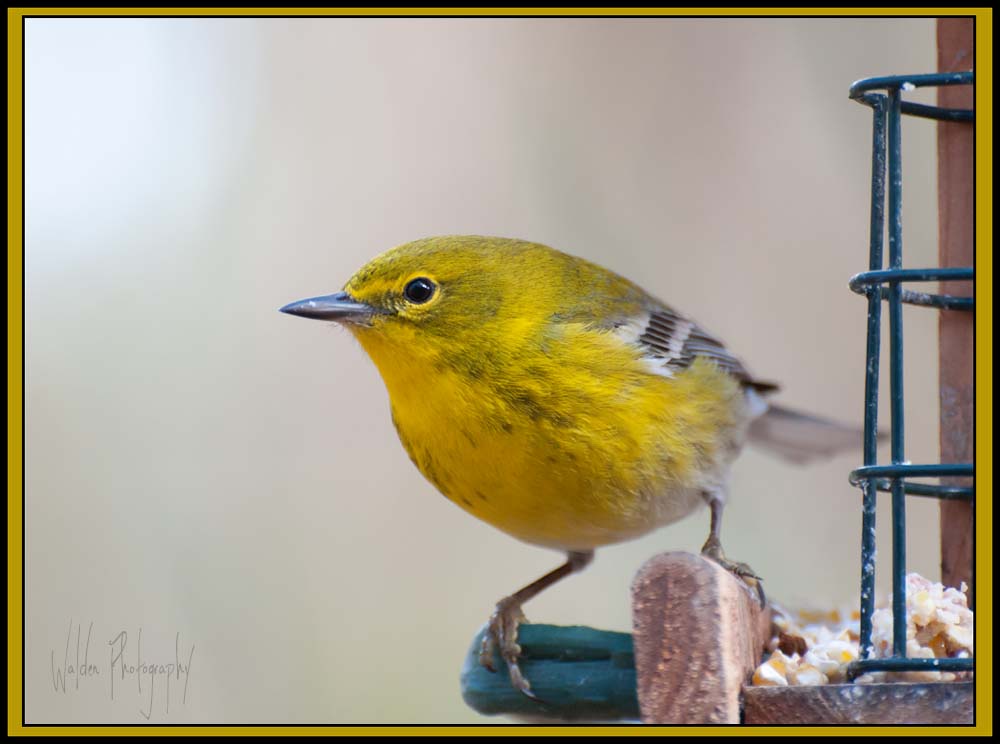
column 557, row 401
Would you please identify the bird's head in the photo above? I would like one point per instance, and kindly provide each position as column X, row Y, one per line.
column 464, row 300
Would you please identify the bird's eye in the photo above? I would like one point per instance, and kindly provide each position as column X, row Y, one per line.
column 419, row 290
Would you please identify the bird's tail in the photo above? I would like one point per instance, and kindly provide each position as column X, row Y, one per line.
column 801, row 437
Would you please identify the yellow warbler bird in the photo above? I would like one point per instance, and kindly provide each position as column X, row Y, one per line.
column 556, row 400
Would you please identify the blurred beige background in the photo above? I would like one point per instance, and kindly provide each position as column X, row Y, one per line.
column 198, row 464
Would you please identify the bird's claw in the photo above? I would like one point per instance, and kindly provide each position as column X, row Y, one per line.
column 501, row 634
column 713, row 551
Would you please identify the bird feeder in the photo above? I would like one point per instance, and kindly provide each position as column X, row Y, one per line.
column 699, row 632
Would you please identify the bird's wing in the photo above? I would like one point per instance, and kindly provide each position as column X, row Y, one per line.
column 673, row 342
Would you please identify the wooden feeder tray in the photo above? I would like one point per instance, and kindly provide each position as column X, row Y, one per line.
column 699, row 633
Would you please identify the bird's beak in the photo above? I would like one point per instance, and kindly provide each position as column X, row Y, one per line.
column 340, row 307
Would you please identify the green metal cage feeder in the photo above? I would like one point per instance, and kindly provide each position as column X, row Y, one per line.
column 886, row 284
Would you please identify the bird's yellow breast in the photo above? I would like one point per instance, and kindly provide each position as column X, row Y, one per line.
column 567, row 441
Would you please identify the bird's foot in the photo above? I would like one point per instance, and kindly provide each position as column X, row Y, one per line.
column 713, row 550
column 501, row 633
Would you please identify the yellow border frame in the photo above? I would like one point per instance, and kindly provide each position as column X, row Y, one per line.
column 984, row 379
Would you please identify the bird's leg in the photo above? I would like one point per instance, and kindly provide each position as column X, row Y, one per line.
column 713, row 549
column 507, row 616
